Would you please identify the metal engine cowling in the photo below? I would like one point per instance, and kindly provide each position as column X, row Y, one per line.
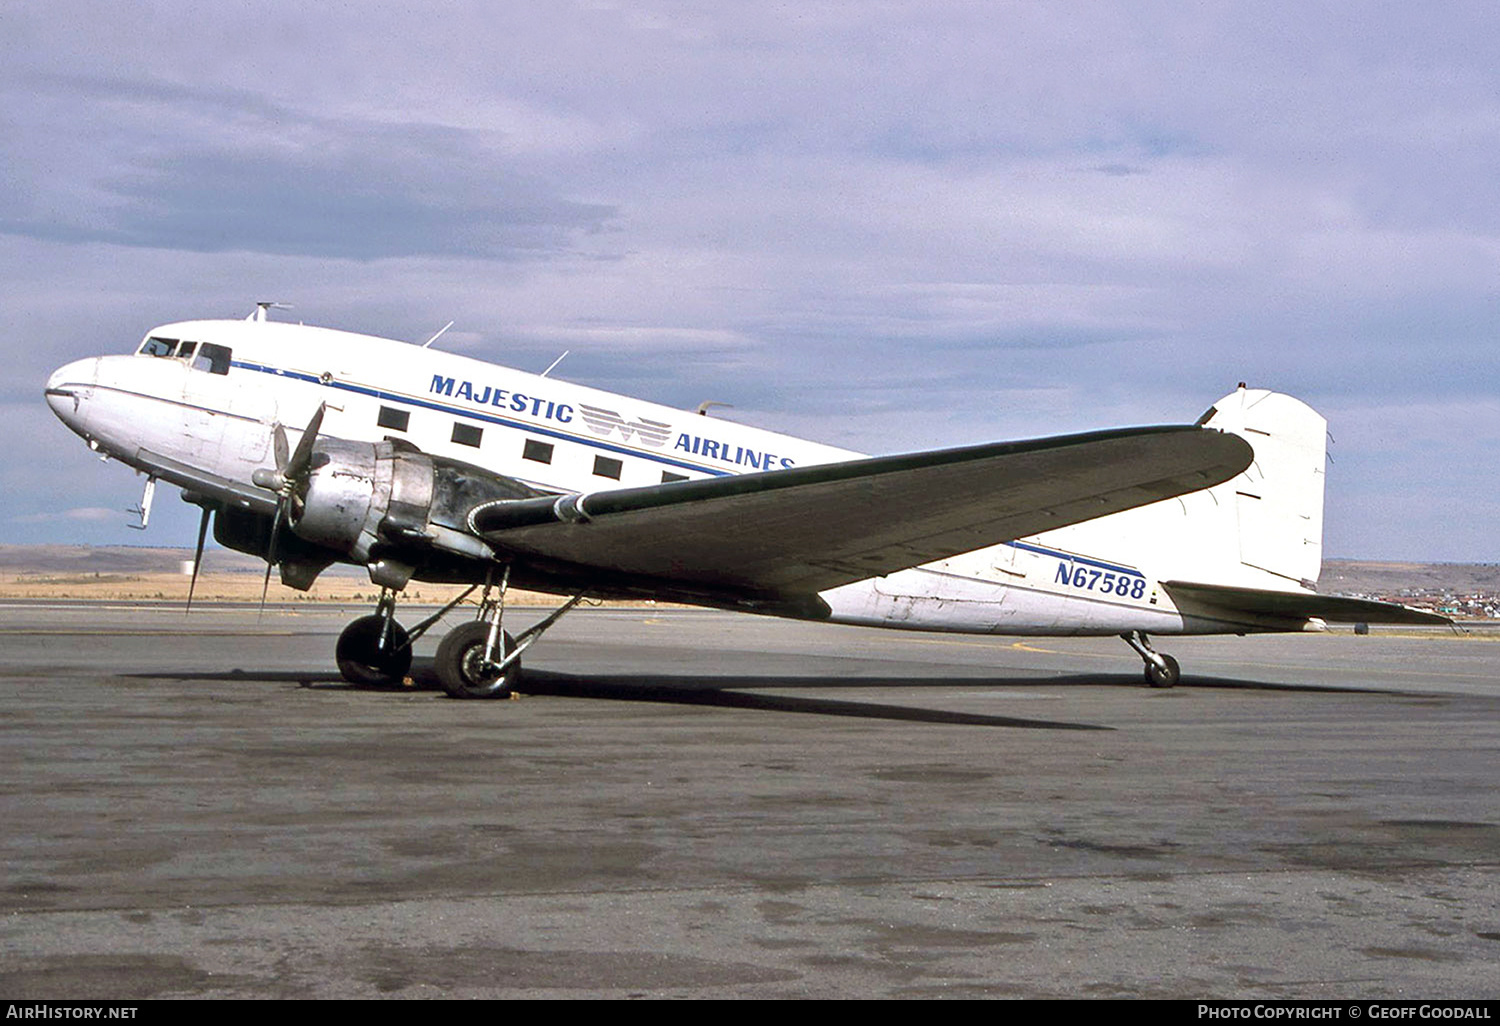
column 357, row 493
column 385, row 503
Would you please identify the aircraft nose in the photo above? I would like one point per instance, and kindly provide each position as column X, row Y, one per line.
column 66, row 390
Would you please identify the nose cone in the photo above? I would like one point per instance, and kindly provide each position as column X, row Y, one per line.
column 67, row 389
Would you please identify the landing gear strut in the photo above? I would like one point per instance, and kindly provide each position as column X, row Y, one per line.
column 480, row 660
column 1162, row 670
column 475, row 660
column 375, row 649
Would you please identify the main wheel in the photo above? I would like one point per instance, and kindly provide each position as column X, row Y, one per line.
column 363, row 659
column 460, row 664
column 1163, row 678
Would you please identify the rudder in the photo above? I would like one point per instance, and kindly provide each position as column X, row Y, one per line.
column 1279, row 498
column 1261, row 529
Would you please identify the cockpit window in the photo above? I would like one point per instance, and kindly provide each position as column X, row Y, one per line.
column 200, row 356
column 212, row 358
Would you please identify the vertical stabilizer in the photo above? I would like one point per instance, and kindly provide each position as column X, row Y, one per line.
column 1262, row 529
column 1279, row 499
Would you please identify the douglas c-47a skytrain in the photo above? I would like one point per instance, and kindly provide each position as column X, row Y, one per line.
column 307, row 446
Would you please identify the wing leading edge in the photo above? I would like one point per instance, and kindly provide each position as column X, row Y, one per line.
column 807, row 529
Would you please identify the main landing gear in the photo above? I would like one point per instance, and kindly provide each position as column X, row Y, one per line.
column 375, row 649
column 1162, row 670
column 477, row 659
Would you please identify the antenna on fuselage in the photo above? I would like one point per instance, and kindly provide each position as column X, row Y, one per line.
column 555, row 362
column 708, row 404
column 262, row 307
column 438, row 335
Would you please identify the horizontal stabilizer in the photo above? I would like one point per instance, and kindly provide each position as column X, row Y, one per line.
column 1299, row 605
column 807, row 529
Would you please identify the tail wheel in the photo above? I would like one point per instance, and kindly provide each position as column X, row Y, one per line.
column 363, row 659
column 461, row 666
column 1163, row 677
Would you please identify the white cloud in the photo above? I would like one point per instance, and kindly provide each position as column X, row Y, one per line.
column 881, row 225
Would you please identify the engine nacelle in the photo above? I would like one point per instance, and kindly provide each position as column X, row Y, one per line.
column 383, row 503
column 349, row 492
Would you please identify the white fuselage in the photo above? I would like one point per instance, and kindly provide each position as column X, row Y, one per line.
column 217, row 412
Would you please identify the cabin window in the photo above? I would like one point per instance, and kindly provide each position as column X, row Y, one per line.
column 212, row 358
column 158, row 346
column 396, row 420
column 667, row 477
column 541, row 452
column 604, row 466
column 467, row 434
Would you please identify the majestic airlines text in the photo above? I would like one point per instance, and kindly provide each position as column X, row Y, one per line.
column 563, row 413
column 503, row 399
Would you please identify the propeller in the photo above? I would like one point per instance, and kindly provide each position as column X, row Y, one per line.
column 198, row 556
column 291, row 470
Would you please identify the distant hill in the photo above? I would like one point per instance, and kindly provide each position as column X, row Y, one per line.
column 127, row 559
column 1372, row 577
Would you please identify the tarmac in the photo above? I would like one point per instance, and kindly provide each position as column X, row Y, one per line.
column 689, row 804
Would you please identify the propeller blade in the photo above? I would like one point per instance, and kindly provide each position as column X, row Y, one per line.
column 288, row 470
column 271, row 560
column 280, row 447
column 302, row 457
column 265, row 586
column 198, row 556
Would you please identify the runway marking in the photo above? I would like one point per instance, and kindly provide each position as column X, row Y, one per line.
column 1021, row 646
column 991, row 642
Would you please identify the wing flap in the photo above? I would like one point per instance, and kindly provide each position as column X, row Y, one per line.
column 1300, row 605
column 807, row 529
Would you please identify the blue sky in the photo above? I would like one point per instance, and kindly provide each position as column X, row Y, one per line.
column 880, row 225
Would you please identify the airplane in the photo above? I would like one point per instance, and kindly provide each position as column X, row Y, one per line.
column 307, row 446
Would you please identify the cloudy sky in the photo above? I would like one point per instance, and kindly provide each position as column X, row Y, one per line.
column 880, row 225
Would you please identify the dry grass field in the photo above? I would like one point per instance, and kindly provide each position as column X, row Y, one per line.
column 219, row 587
column 124, row 573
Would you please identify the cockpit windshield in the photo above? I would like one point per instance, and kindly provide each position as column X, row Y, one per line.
column 204, row 357
column 212, row 358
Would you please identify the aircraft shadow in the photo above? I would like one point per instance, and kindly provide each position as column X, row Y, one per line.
column 724, row 692
column 746, row 692
column 1190, row 681
column 742, row 693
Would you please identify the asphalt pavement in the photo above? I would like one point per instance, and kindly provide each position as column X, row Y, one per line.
column 696, row 804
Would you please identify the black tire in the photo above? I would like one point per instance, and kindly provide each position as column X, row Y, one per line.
column 362, row 660
column 1159, row 678
column 457, row 664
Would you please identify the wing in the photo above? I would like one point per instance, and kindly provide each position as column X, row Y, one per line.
column 1298, row 605
column 804, row 530
column 192, row 479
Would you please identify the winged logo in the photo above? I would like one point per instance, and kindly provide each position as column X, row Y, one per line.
column 601, row 422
